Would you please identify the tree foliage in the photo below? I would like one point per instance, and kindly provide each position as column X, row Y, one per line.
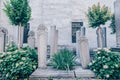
column 18, row 11
column 98, row 15
column 112, row 25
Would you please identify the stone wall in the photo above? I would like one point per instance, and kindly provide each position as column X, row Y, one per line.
column 60, row 13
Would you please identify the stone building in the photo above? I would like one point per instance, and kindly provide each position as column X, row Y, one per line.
column 66, row 15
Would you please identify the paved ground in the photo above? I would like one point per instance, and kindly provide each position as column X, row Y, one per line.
column 78, row 72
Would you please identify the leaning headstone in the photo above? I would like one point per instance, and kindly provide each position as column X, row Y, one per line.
column 42, row 46
column 99, row 33
column 117, row 21
column 2, row 41
column 52, row 42
column 104, row 37
column 31, row 39
column 77, row 43
column 84, row 52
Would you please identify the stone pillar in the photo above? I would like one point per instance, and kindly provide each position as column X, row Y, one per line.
column 83, row 31
column 52, row 42
column 117, row 21
column 99, row 33
column 42, row 46
column 84, row 52
column 56, row 41
column 77, row 43
column 2, row 41
column 31, row 39
column 104, row 37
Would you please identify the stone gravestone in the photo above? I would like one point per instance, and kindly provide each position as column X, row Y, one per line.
column 117, row 21
column 54, row 41
column 31, row 39
column 2, row 41
column 104, row 37
column 77, row 43
column 42, row 46
column 84, row 52
column 100, row 39
column 83, row 30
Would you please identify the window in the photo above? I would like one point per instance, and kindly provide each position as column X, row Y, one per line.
column 75, row 27
column 25, row 34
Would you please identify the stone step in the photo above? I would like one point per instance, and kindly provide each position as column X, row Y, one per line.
column 78, row 72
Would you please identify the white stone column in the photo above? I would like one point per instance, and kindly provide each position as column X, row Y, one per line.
column 42, row 46
column 77, row 43
column 117, row 21
column 52, row 42
column 56, row 41
column 84, row 52
column 2, row 41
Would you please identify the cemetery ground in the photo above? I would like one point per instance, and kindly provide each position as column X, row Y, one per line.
column 61, row 62
column 78, row 73
column 26, row 63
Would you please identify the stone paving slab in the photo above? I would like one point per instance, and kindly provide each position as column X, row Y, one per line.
column 78, row 72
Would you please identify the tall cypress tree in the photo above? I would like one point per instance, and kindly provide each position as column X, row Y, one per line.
column 19, row 13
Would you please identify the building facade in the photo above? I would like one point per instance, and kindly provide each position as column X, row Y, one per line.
column 67, row 15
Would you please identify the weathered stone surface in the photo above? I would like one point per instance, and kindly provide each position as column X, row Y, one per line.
column 117, row 21
column 77, row 43
column 42, row 46
column 31, row 39
column 104, row 37
column 78, row 72
column 53, row 41
column 83, row 31
column 100, row 39
column 84, row 52
column 2, row 41
column 56, row 41
column 60, row 13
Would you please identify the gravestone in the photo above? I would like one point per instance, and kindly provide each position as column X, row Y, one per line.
column 77, row 43
column 83, row 31
column 2, row 41
column 100, row 39
column 84, row 52
column 117, row 21
column 104, row 37
column 54, row 41
column 31, row 39
column 42, row 46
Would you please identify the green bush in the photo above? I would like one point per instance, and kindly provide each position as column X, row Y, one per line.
column 106, row 64
column 17, row 64
column 11, row 47
column 64, row 60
